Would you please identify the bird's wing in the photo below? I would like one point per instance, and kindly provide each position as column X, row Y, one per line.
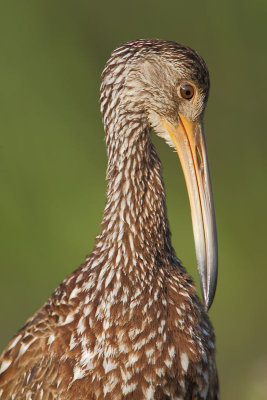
column 29, row 366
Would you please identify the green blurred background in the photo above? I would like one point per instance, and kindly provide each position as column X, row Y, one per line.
column 52, row 156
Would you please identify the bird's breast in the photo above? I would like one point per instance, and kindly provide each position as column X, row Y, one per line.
column 132, row 338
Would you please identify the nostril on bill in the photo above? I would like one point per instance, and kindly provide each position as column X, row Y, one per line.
column 199, row 159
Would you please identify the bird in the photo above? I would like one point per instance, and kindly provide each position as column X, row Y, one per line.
column 128, row 323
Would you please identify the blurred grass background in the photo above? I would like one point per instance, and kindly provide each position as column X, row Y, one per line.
column 52, row 156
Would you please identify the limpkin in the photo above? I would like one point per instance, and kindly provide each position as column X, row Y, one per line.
column 128, row 324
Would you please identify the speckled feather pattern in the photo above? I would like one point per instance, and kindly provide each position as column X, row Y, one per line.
column 128, row 323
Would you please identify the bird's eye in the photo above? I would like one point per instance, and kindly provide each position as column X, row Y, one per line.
column 187, row 91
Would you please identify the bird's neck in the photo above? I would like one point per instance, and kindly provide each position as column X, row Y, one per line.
column 135, row 224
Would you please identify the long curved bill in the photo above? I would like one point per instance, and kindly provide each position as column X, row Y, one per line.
column 189, row 141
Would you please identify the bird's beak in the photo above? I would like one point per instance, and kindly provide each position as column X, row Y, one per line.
column 189, row 141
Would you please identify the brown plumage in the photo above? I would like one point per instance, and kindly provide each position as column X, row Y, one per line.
column 128, row 323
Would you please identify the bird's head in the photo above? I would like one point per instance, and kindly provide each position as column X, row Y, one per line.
column 167, row 85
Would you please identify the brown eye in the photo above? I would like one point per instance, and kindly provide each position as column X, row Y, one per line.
column 187, row 91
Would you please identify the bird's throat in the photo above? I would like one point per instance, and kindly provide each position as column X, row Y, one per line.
column 135, row 221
